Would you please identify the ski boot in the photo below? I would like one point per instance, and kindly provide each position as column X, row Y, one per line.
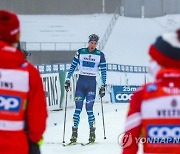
column 92, row 135
column 74, row 135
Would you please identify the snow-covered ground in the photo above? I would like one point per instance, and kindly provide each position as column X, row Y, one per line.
column 114, row 116
column 127, row 44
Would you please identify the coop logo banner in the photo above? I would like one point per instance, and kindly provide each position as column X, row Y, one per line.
column 9, row 103
column 122, row 94
column 164, row 133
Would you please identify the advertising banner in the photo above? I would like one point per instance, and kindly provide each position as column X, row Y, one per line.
column 122, row 94
column 54, row 75
column 52, row 86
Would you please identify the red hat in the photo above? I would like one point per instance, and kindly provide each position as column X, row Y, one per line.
column 166, row 50
column 9, row 27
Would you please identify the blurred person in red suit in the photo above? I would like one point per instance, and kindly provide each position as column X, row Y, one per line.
column 23, row 109
column 154, row 111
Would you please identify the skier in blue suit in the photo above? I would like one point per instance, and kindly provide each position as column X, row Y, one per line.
column 90, row 60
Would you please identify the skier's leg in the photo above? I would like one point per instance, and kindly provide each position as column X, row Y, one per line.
column 90, row 98
column 76, row 116
column 91, row 117
column 89, row 110
column 79, row 98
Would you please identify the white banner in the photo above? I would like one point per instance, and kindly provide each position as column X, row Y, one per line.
column 52, row 90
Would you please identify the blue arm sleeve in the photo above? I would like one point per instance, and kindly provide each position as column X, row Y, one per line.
column 74, row 64
column 103, row 69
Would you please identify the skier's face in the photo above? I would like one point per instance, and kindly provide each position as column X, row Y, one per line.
column 154, row 68
column 92, row 45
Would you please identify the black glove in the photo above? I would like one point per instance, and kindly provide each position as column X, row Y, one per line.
column 33, row 148
column 67, row 85
column 102, row 91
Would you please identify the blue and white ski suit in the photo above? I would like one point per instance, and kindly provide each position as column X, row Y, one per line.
column 89, row 64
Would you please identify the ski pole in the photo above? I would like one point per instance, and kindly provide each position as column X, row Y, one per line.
column 65, row 117
column 103, row 118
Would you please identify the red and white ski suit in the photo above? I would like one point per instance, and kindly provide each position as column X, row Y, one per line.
column 154, row 113
column 22, row 102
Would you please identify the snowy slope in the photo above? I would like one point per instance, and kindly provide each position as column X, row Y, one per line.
column 62, row 28
column 127, row 44
column 131, row 37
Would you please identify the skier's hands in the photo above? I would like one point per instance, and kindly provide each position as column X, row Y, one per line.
column 67, row 85
column 102, row 91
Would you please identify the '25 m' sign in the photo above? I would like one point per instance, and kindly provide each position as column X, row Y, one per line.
column 123, row 94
